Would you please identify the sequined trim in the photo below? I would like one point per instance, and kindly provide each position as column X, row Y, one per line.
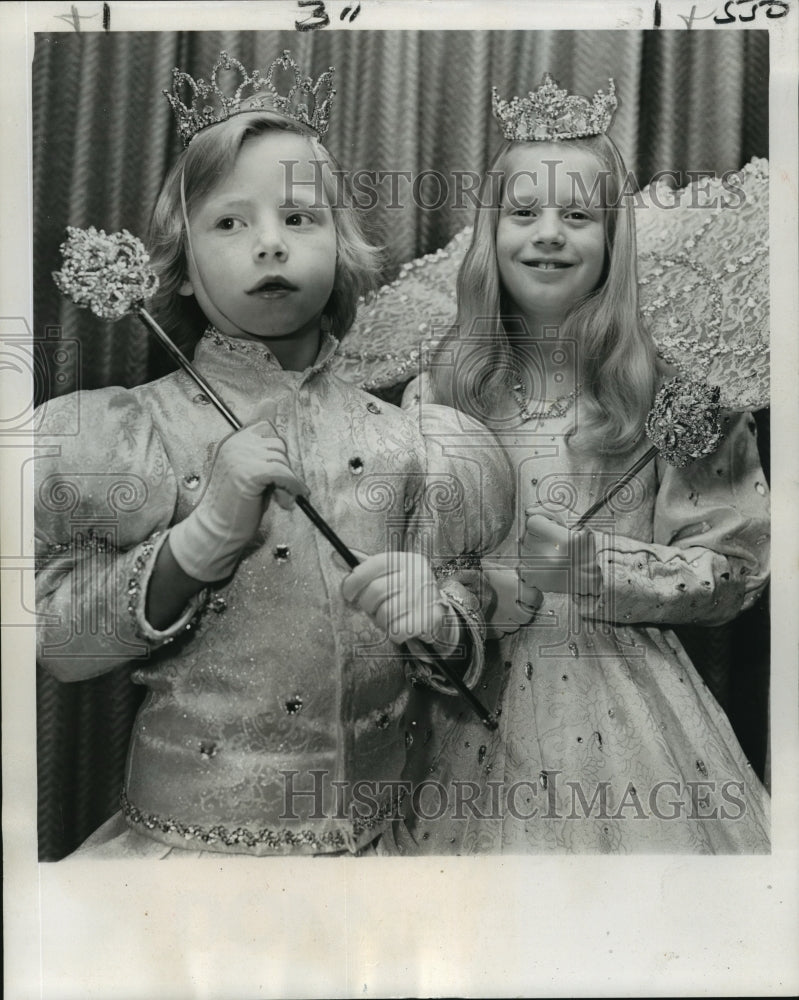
column 469, row 610
column 266, row 837
column 239, row 346
column 457, row 565
column 134, row 583
column 187, row 621
column 88, row 542
column 235, row 345
column 465, row 606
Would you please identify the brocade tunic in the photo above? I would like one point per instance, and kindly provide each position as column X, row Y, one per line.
column 271, row 698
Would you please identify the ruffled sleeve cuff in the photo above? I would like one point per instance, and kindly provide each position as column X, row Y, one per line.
column 465, row 605
column 659, row 584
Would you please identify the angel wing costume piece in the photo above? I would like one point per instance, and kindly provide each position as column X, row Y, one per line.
column 703, row 281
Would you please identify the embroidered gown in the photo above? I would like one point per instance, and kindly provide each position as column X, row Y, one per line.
column 608, row 739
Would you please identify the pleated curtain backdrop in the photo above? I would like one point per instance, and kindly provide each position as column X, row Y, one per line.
column 103, row 139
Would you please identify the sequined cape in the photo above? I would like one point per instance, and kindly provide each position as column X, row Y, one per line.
column 609, row 740
column 269, row 688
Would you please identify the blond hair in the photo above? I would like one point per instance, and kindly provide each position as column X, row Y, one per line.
column 617, row 359
column 207, row 160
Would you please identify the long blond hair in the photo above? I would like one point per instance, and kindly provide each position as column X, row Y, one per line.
column 207, row 160
column 617, row 358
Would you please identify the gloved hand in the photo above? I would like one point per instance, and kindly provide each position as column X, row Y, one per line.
column 515, row 600
column 399, row 592
column 250, row 467
column 558, row 560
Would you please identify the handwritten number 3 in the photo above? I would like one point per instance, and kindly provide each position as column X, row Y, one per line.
column 318, row 12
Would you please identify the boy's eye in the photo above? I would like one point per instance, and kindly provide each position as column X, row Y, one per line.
column 228, row 224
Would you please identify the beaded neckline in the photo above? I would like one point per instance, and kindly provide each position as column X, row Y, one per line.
column 253, row 349
column 557, row 407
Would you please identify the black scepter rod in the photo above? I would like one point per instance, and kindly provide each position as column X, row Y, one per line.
column 683, row 425
column 614, row 488
column 110, row 274
column 313, row 515
column 302, row 502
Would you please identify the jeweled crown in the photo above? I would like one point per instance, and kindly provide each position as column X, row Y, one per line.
column 282, row 88
column 549, row 114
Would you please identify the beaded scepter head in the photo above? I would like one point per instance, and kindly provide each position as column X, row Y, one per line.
column 550, row 114
column 281, row 88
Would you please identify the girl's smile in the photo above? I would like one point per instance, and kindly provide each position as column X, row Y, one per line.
column 262, row 257
column 546, row 265
column 551, row 230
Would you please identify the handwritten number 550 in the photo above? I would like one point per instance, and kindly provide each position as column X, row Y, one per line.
column 770, row 5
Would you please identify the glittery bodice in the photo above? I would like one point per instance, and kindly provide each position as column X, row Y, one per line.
column 271, row 688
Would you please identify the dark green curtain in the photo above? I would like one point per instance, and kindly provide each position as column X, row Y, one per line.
column 103, row 138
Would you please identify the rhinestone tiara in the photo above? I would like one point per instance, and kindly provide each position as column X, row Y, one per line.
column 549, row 114
column 282, row 88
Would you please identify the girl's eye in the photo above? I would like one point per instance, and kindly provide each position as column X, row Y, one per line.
column 522, row 213
column 299, row 219
column 579, row 215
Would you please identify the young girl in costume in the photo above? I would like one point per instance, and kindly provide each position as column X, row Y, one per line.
column 278, row 706
column 609, row 741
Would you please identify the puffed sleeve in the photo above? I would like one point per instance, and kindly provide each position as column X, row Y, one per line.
column 104, row 493
column 417, row 392
column 469, row 499
column 709, row 559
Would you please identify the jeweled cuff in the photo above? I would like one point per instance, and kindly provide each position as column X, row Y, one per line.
column 466, row 606
column 138, row 583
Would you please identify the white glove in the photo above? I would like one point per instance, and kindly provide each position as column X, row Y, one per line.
column 250, row 466
column 558, row 560
column 399, row 592
column 516, row 599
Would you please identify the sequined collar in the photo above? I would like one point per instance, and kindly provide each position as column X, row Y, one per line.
column 258, row 355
